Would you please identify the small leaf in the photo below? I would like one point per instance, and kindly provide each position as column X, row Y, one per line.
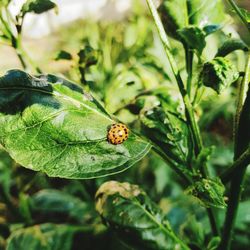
column 208, row 192
column 63, row 55
column 51, row 125
column 37, row 6
column 88, row 57
column 202, row 158
column 42, row 237
column 231, row 45
column 213, row 243
column 50, row 201
column 209, row 29
column 128, row 211
column 246, row 14
column 174, row 15
column 194, row 37
column 218, row 74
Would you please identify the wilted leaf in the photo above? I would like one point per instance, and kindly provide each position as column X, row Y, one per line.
column 49, row 124
column 128, row 211
column 37, row 6
column 194, row 37
column 54, row 201
column 231, row 45
column 209, row 192
column 218, row 74
column 42, row 237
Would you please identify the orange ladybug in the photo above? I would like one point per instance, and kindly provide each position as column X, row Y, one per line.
column 118, row 133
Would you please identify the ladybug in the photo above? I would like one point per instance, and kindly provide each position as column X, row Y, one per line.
column 118, row 133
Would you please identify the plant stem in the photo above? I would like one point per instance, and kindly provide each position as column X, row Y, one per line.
column 189, row 67
column 241, row 162
column 241, row 144
column 188, row 106
column 237, row 10
column 241, row 98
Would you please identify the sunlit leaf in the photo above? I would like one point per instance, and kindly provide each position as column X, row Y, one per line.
column 51, row 125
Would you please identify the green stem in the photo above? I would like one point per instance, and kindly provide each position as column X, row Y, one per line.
column 188, row 106
column 189, row 67
column 241, row 98
column 241, row 162
column 236, row 184
column 237, row 10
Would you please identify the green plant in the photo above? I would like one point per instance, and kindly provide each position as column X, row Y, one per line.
column 57, row 128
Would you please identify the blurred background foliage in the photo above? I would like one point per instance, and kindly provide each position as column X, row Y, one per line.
column 122, row 63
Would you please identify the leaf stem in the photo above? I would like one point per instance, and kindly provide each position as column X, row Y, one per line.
column 237, row 10
column 188, row 106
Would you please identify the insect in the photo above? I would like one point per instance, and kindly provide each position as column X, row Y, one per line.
column 118, row 133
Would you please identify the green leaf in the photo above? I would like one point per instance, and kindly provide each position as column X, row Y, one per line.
column 162, row 125
column 218, row 74
column 202, row 158
column 128, row 211
column 37, row 6
column 63, row 55
column 209, row 192
column 179, row 14
column 51, row 201
column 194, row 37
column 193, row 232
column 246, row 14
column 42, row 237
column 88, row 57
column 49, row 124
column 214, row 243
column 231, row 45
column 209, row 29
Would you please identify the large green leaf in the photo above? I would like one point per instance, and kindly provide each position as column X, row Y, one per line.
column 42, row 237
column 49, row 124
column 129, row 212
